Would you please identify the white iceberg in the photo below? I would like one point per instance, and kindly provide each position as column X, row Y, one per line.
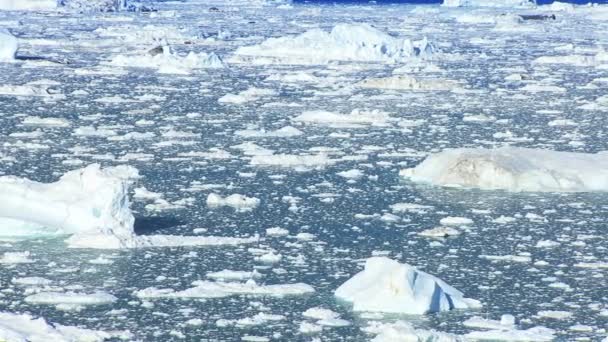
column 24, row 327
column 27, row 5
column 168, row 61
column 386, row 285
column 8, row 46
column 489, row 3
column 514, row 169
column 91, row 205
column 345, row 42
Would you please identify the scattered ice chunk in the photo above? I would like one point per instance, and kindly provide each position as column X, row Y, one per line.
column 386, row 285
column 16, row 258
column 237, row 201
column 455, row 221
column 405, row 331
column 440, row 232
column 277, row 231
column 72, row 298
column 356, row 119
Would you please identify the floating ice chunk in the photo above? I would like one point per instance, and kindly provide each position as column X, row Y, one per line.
column 351, row 174
column 285, row 132
column 208, row 289
column 386, row 285
column 405, row 82
column 455, row 221
column 345, row 42
column 405, row 331
column 16, row 258
column 514, row 169
column 22, row 328
column 309, row 328
column 258, row 319
column 554, row 314
column 301, row 162
column 320, row 313
column 72, row 298
column 489, row 3
column 440, row 232
column 45, row 122
column 249, row 95
column 277, row 231
column 27, row 5
column 32, row 90
column 233, row 275
column 31, row 281
column 537, row 334
column 507, row 322
column 236, row 201
column 8, row 44
column 356, row 119
column 168, row 61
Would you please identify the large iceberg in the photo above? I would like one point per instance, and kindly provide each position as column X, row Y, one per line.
column 91, row 205
column 8, row 46
column 386, row 285
column 345, row 42
column 27, row 5
column 514, row 169
column 489, row 3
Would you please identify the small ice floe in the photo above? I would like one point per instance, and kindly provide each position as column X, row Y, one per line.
column 277, row 231
column 45, row 122
column 514, row 169
column 406, row 82
column 285, row 132
column 325, row 317
column 440, row 232
column 261, row 318
column 405, row 331
column 71, row 298
column 209, row 289
column 298, row 162
column 356, row 119
column 386, row 285
column 24, row 327
column 505, row 330
column 225, row 275
column 237, row 201
column 345, row 42
column 31, row 281
column 456, row 221
column 250, row 95
column 16, row 258
column 489, row 3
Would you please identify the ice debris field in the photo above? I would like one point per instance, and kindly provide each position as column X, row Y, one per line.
column 276, row 171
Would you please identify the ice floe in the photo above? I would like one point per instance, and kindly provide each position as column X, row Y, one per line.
column 236, row 201
column 514, row 169
column 8, row 46
column 345, row 42
column 168, row 62
column 386, row 285
column 27, row 5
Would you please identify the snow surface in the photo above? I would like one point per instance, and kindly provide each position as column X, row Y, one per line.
column 514, row 169
column 386, row 285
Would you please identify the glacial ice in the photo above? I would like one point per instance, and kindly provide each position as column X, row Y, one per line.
column 386, row 285
column 514, row 169
column 8, row 46
column 489, row 3
column 27, row 5
column 169, row 61
column 91, row 205
column 26, row 328
column 345, row 42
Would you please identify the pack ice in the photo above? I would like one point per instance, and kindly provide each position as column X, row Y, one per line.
column 514, row 169
column 489, row 3
column 345, row 42
column 386, row 285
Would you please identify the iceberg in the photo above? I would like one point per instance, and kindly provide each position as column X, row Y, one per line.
column 489, row 3
column 27, row 5
column 168, row 61
column 345, row 42
column 388, row 286
column 514, row 169
column 8, row 46
column 91, row 205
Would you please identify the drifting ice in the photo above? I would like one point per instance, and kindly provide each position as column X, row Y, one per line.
column 489, row 3
column 386, row 285
column 345, row 42
column 91, row 205
column 514, row 169
column 8, row 46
